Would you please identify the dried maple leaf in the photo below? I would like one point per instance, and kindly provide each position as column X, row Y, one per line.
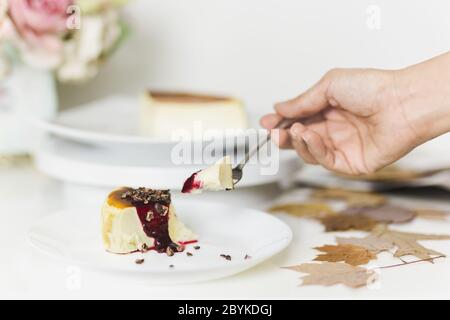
column 306, row 210
column 352, row 198
column 345, row 222
column 386, row 213
column 331, row 273
column 390, row 173
column 371, row 243
column 407, row 244
column 394, row 174
column 432, row 214
column 350, row 254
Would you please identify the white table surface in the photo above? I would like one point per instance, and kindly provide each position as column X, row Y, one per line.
column 27, row 195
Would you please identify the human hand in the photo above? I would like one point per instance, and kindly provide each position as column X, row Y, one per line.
column 356, row 121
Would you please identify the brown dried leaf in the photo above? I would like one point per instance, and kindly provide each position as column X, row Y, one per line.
column 371, row 243
column 394, row 174
column 352, row 198
column 390, row 173
column 386, row 213
column 432, row 214
column 350, row 254
column 407, row 244
column 304, row 210
column 330, row 273
column 345, row 222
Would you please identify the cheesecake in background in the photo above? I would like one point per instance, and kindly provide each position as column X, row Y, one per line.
column 162, row 114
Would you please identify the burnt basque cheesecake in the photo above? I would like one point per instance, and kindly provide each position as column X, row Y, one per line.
column 163, row 114
column 141, row 220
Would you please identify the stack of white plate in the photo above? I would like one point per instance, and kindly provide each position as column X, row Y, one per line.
column 99, row 144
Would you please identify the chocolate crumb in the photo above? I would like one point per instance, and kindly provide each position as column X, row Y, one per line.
column 197, row 247
column 169, row 251
column 161, row 209
column 171, row 266
column 149, row 216
column 247, row 257
column 140, row 261
column 226, row 256
column 189, row 254
column 146, row 195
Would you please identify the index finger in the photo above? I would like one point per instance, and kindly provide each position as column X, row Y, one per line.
column 308, row 103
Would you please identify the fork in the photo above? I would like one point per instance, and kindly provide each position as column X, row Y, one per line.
column 238, row 170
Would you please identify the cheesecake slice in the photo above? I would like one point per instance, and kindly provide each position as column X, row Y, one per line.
column 217, row 177
column 163, row 114
column 141, row 220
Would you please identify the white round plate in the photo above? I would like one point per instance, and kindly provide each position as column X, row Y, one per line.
column 110, row 121
column 73, row 236
column 136, row 166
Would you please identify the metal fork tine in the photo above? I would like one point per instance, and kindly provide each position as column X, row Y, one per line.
column 238, row 170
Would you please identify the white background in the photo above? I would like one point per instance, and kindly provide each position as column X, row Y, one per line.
column 263, row 50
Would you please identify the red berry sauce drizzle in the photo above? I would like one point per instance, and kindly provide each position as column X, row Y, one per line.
column 191, row 184
column 152, row 207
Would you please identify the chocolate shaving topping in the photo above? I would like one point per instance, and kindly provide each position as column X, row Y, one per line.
column 169, row 251
column 149, row 216
column 161, row 209
column 140, row 261
column 189, row 254
column 146, row 196
column 197, row 247
column 226, row 256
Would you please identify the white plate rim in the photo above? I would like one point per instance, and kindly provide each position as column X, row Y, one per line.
column 281, row 244
column 98, row 138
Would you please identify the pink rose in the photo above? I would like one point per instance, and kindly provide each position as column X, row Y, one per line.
column 40, row 16
column 40, row 23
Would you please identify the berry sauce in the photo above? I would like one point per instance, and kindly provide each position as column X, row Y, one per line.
column 152, row 207
column 156, row 227
column 191, row 184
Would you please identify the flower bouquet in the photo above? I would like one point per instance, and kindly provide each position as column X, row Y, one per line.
column 68, row 37
column 46, row 40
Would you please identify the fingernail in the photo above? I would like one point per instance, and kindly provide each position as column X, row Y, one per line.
column 305, row 138
column 275, row 136
column 296, row 132
column 275, row 133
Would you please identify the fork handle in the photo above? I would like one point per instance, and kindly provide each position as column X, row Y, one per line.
column 286, row 123
column 283, row 124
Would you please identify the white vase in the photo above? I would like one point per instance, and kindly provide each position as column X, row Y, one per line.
column 25, row 95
